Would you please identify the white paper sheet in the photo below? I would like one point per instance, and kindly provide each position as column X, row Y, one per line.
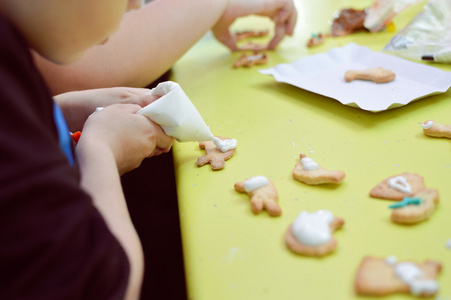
column 324, row 74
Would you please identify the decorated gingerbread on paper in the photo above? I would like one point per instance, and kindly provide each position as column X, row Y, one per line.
column 217, row 152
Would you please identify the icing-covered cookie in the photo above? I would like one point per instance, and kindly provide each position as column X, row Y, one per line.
column 263, row 194
column 311, row 233
column 412, row 210
column 434, row 129
column 214, row 156
column 309, row 172
column 384, row 276
column 399, row 186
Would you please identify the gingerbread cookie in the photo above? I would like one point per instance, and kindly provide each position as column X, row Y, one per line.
column 348, row 21
column 434, row 129
column 309, row 172
column 412, row 210
column 399, row 186
column 241, row 35
column 311, row 233
column 253, row 47
column 385, row 276
column 213, row 155
column 316, row 39
column 250, row 60
column 378, row 75
column 263, row 194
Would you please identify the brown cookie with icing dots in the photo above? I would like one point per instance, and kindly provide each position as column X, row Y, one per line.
column 215, row 157
column 415, row 213
column 304, row 174
column 298, row 247
column 384, row 191
column 263, row 197
column 434, row 129
column 380, row 277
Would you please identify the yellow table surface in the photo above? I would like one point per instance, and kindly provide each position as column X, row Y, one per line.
column 229, row 252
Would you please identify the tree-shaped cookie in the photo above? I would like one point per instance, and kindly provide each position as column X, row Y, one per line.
column 214, row 156
column 263, row 194
column 384, row 276
column 309, row 172
column 311, row 233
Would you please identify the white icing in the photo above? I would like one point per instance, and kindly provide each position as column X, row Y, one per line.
column 254, row 183
column 313, row 228
column 448, row 244
column 254, row 57
column 309, row 164
column 391, row 260
column 225, row 145
column 400, row 183
column 427, row 125
column 414, row 277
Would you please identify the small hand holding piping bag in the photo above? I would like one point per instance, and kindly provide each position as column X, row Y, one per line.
column 178, row 117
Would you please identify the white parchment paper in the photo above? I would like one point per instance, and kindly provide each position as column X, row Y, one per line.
column 324, row 74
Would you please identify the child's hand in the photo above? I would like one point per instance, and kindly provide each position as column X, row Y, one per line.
column 282, row 12
column 130, row 137
column 77, row 106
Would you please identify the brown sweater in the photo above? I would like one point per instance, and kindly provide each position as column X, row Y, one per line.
column 54, row 244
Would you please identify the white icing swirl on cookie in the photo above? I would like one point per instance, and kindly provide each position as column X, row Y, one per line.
column 391, row 260
column 427, row 125
column 400, row 183
column 309, row 164
column 225, row 145
column 414, row 277
column 254, row 183
column 313, row 228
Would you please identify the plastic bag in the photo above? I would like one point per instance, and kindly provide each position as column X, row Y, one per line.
column 427, row 36
column 382, row 12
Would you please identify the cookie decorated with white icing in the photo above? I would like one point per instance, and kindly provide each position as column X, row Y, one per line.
column 311, row 233
column 216, row 152
column 399, row 186
column 263, row 194
column 310, row 172
column 385, row 276
column 434, row 129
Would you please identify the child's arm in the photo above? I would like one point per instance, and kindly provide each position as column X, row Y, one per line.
column 107, row 149
column 150, row 40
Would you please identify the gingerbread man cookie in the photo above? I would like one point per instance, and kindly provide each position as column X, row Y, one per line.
column 311, row 233
column 263, row 194
column 385, row 276
column 253, row 46
column 213, row 155
column 309, row 172
column 378, row 75
column 412, row 210
column 248, row 61
column 316, row 39
column 434, row 129
column 399, row 186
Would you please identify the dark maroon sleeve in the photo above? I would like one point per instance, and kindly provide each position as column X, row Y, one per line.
column 54, row 244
